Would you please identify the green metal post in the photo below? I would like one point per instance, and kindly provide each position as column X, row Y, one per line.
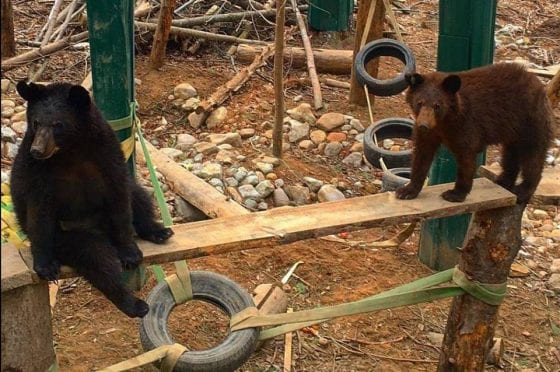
column 330, row 15
column 111, row 38
column 466, row 40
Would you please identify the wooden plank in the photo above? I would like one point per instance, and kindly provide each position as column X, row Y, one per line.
column 548, row 191
column 15, row 272
column 196, row 191
column 286, row 225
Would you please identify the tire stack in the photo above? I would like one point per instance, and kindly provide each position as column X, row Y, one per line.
column 395, row 164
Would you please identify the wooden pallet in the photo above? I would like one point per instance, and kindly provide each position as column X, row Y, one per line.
column 289, row 224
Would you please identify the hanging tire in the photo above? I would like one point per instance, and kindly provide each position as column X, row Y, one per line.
column 394, row 178
column 384, row 129
column 212, row 288
column 384, row 48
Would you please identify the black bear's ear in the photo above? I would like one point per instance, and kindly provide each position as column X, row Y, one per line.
column 79, row 96
column 451, row 84
column 414, row 79
column 29, row 92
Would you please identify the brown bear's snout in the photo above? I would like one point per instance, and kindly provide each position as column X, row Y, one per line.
column 426, row 119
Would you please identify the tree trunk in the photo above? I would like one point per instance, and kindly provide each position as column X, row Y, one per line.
column 8, row 40
column 494, row 240
column 162, row 33
column 279, row 79
column 357, row 94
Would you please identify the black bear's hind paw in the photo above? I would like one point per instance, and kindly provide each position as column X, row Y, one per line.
column 130, row 257
column 454, row 196
column 47, row 271
column 406, row 192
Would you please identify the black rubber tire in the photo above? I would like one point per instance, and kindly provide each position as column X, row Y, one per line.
column 383, row 129
column 384, row 48
column 215, row 289
column 394, row 178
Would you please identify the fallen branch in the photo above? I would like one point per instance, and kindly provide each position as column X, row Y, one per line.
column 41, row 52
column 47, row 29
column 198, row 42
column 59, row 32
column 317, row 96
column 189, row 32
column 229, row 17
column 393, row 20
column 224, row 91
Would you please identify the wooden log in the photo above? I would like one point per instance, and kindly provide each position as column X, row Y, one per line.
column 26, row 318
column 198, row 42
column 493, row 243
column 162, row 33
column 317, row 96
column 189, row 32
column 7, row 29
column 372, row 13
column 224, row 91
column 197, row 192
column 279, row 80
column 330, row 61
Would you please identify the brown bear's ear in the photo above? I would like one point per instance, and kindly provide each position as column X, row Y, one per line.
column 29, row 92
column 79, row 96
column 414, row 79
column 451, row 84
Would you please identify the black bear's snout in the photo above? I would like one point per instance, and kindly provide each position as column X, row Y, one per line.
column 36, row 153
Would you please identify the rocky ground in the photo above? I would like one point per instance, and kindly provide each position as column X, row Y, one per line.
column 323, row 160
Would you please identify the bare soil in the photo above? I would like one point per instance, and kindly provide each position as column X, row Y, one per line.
column 90, row 333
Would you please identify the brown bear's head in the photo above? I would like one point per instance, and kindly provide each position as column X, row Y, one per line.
column 432, row 97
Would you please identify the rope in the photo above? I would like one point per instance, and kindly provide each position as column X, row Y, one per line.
column 422, row 290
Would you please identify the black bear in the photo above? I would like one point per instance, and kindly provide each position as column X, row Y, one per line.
column 73, row 196
column 497, row 104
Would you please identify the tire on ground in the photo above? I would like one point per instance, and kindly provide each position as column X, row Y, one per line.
column 212, row 288
column 384, row 48
column 383, row 129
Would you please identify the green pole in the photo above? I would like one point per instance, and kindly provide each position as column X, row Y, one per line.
column 111, row 39
column 466, row 40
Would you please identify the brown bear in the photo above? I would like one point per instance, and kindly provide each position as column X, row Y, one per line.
column 467, row 111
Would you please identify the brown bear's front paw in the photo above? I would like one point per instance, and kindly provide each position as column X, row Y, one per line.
column 407, row 192
column 454, row 196
column 131, row 256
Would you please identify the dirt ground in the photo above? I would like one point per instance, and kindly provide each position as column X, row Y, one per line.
column 90, row 333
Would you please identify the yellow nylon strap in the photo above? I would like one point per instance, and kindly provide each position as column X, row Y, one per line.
column 169, row 353
column 180, row 283
column 243, row 315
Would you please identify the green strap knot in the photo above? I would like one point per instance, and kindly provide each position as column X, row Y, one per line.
column 492, row 294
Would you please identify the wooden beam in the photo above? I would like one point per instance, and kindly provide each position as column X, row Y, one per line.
column 548, row 191
column 15, row 272
column 8, row 40
column 486, row 258
column 196, row 191
column 162, row 33
column 289, row 224
column 369, row 27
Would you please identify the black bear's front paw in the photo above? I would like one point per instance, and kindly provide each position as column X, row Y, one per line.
column 407, row 192
column 454, row 196
column 159, row 236
column 130, row 256
column 47, row 270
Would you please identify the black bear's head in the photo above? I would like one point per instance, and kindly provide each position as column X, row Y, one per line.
column 57, row 116
column 432, row 97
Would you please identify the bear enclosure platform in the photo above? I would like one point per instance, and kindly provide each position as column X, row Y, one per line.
column 289, row 224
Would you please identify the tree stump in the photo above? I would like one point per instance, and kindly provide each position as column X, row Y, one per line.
column 493, row 242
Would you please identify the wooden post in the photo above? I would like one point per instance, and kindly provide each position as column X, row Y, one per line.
column 494, row 240
column 357, row 94
column 279, row 79
column 8, row 40
column 162, row 33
